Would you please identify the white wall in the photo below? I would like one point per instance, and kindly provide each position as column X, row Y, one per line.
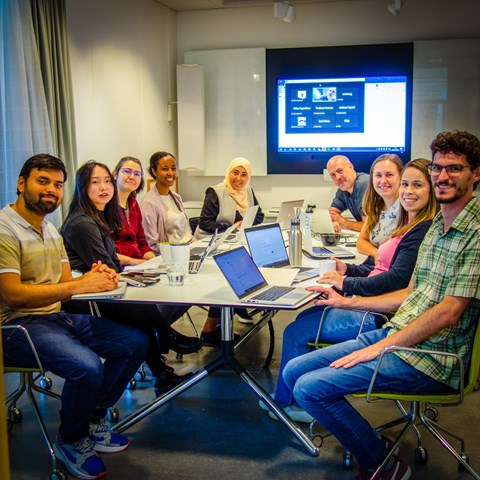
column 123, row 57
column 329, row 23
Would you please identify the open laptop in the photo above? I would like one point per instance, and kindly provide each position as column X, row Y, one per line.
column 250, row 286
column 322, row 221
column 195, row 262
column 220, row 239
column 287, row 212
column 118, row 292
column 267, row 249
column 247, row 222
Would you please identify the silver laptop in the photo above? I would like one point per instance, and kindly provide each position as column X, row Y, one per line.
column 218, row 243
column 267, row 249
column 195, row 262
column 247, row 222
column 249, row 284
column 287, row 212
column 118, row 292
column 320, row 252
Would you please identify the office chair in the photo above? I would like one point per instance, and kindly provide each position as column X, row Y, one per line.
column 27, row 385
column 421, row 406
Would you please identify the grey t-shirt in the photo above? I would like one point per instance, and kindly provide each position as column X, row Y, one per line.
column 344, row 201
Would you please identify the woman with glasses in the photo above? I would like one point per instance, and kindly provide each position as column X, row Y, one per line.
column 130, row 243
column 164, row 217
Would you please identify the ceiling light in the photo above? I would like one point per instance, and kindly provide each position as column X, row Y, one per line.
column 285, row 11
column 394, row 7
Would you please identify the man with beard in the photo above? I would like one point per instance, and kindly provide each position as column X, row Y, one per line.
column 95, row 356
column 437, row 311
column 351, row 189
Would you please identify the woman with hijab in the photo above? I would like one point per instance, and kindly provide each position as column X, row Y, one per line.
column 225, row 205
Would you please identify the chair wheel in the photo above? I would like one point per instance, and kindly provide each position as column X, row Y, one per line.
column 347, row 460
column 16, row 415
column 465, row 458
column 421, row 456
column 46, row 383
column 431, row 413
column 132, row 384
column 58, row 475
column 113, row 415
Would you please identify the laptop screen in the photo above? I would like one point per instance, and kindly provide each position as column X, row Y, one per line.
column 287, row 212
column 240, row 271
column 266, row 245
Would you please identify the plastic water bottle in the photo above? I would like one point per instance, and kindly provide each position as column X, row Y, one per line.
column 295, row 242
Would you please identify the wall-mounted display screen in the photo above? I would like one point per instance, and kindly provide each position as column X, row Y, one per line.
column 354, row 101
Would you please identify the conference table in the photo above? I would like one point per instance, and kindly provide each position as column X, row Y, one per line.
column 209, row 288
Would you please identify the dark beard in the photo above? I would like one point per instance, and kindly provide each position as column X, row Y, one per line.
column 40, row 207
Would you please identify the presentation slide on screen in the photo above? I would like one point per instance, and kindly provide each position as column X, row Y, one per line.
column 341, row 114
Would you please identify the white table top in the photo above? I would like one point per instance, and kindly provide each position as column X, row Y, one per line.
column 208, row 287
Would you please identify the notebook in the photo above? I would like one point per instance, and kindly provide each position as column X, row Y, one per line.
column 287, row 212
column 118, row 292
column 250, row 286
column 320, row 252
column 267, row 249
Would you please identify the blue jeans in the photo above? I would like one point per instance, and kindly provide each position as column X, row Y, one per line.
column 72, row 346
column 320, row 390
column 338, row 326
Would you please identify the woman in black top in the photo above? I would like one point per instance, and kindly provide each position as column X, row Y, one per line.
column 92, row 219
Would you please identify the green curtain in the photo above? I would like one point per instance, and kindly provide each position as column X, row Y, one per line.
column 50, row 27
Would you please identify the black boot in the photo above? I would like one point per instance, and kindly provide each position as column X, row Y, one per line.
column 182, row 344
column 167, row 379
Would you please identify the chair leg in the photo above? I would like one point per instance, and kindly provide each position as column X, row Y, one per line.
column 461, row 458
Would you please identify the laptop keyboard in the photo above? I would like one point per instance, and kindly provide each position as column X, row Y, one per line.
column 322, row 251
column 194, row 266
column 273, row 293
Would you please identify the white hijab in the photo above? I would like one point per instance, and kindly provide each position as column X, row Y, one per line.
column 240, row 196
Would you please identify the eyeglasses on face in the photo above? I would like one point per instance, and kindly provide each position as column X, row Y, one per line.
column 452, row 170
column 129, row 171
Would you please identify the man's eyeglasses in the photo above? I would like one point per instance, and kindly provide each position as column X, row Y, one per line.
column 129, row 171
column 452, row 170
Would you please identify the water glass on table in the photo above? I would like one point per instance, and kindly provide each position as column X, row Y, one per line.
column 176, row 274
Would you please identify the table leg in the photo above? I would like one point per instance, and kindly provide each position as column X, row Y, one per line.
column 227, row 358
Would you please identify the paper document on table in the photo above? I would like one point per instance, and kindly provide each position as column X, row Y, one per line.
column 279, row 277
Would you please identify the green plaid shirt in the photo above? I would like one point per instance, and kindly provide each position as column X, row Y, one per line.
column 448, row 264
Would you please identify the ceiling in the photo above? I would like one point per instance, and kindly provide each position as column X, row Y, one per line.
column 185, row 5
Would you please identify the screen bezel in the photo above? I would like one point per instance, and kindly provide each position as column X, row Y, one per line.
column 332, row 62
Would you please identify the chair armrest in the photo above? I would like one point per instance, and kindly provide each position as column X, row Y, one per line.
column 360, row 328
column 370, row 395
column 30, row 342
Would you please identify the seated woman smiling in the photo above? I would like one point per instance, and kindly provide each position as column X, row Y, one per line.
column 396, row 261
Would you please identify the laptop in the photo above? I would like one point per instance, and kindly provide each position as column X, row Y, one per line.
column 320, row 252
column 247, row 222
column 267, row 249
column 287, row 212
column 195, row 262
column 250, row 286
column 118, row 292
column 197, row 251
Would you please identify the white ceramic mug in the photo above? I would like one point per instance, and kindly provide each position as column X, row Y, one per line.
column 324, row 266
column 166, row 253
column 180, row 254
